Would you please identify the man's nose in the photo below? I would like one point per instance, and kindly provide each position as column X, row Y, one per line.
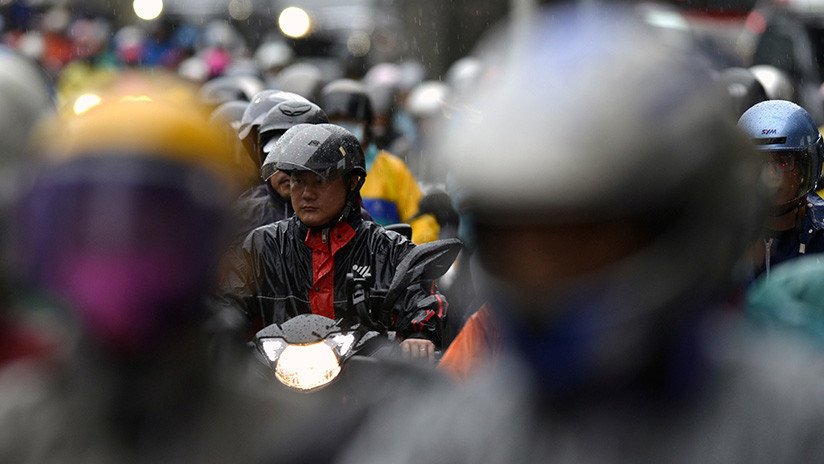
column 771, row 175
column 309, row 193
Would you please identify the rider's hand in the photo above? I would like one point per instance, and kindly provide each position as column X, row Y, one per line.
column 416, row 348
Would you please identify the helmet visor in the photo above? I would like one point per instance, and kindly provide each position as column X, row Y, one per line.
column 789, row 174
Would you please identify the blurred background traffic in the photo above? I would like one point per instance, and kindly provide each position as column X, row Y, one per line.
column 204, row 39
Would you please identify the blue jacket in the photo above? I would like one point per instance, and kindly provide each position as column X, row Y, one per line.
column 806, row 238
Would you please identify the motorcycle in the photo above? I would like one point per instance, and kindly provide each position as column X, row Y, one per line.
column 308, row 352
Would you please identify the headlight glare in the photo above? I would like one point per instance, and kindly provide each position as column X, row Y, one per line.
column 306, row 367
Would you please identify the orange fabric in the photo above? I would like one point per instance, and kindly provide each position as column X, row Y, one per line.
column 477, row 344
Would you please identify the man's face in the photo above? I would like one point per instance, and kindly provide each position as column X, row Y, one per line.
column 281, row 183
column 784, row 173
column 316, row 200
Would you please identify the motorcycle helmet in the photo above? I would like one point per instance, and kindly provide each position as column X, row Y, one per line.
column 278, row 120
column 230, row 113
column 776, row 82
column 273, row 55
column 427, row 100
column 24, row 102
column 463, row 74
column 579, row 153
column 304, row 79
column 126, row 225
column 260, row 105
column 782, row 127
column 382, row 82
column 347, row 103
column 228, row 88
column 325, row 149
column 744, row 89
column 412, row 74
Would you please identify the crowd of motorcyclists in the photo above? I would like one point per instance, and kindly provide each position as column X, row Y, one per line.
column 639, row 278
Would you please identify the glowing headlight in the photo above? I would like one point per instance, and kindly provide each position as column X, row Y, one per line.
column 306, row 367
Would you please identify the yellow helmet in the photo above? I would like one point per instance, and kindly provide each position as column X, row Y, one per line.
column 143, row 114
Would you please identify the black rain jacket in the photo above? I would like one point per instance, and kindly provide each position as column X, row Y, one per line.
column 271, row 274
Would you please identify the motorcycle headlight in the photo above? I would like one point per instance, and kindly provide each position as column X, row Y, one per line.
column 306, row 367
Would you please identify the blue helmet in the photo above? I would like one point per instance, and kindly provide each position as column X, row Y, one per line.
column 782, row 126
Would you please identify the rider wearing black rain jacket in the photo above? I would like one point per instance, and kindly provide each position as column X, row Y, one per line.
column 299, row 266
column 258, row 206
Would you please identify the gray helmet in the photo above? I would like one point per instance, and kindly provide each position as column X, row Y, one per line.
column 547, row 141
column 427, row 100
column 782, row 126
column 382, row 82
column 228, row 88
column 776, row 82
column 464, row 73
column 347, row 99
column 230, row 113
column 280, row 119
column 324, row 149
column 273, row 55
column 303, row 79
column 260, row 105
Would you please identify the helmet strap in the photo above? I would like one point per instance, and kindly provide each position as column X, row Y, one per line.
column 351, row 198
column 781, row 210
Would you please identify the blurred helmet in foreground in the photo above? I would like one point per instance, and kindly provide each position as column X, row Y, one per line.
column 587, row 118
column 24, row 99
column 126, row 225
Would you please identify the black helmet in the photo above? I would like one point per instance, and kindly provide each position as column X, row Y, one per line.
column 744, row 88
column 280, row 119
column 325, row 149
column 347, row 99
